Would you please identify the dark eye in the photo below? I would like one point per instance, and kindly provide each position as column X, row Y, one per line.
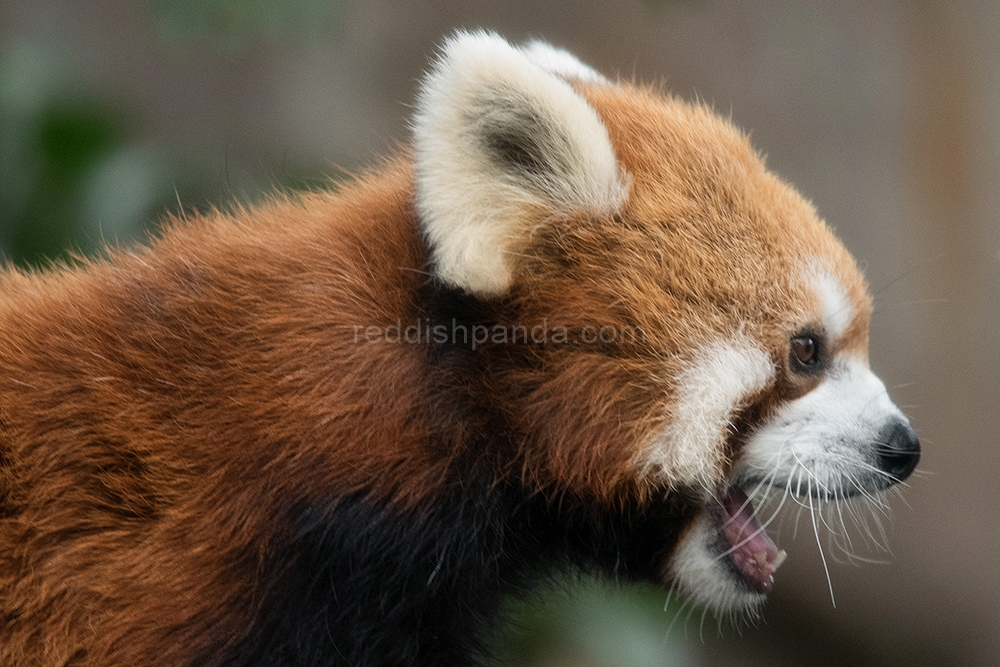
column 805, row 350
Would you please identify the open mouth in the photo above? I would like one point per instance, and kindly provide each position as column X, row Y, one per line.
column 746, row 544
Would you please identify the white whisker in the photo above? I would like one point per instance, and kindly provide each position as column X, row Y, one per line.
column 819, row 544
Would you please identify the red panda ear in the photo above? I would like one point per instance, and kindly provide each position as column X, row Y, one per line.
column 501, row 137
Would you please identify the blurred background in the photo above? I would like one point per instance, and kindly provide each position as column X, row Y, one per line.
column 885, row 114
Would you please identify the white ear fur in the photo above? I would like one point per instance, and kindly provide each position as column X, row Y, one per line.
column 560, row 62
column 499, row 136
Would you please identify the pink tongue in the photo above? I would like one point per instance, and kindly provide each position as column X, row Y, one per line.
column 749, row 547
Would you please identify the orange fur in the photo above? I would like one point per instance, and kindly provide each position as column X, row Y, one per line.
column 163, row 410
column 180, row 396
column 705, row 223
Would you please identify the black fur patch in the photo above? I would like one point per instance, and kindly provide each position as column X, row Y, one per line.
column 519, row 139
column 361, row 584
column 364, row 583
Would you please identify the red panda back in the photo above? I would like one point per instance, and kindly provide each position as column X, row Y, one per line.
column 182, row 395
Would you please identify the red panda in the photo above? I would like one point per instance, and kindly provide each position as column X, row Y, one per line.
column 577, row 324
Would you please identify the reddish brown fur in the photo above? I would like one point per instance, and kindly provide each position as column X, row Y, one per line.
column 163, row 407
column 122, row 465
column 705, row 223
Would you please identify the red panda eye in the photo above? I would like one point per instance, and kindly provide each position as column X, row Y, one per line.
column 805, row 350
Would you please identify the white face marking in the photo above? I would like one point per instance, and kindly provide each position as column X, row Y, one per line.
column 837, row 310
column 826, row 442
column 714, row 383
column 698, row 571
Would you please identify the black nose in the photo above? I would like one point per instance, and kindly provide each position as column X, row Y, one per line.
column 898, row 451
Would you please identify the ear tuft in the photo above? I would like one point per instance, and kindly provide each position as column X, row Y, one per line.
column 502, row 141
column 561, row 62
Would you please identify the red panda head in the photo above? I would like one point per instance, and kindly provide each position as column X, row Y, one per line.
column 712, row 331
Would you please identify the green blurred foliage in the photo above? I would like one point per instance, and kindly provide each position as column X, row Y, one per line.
column 581, row 621
column 654, row 6
column 76, row 176
column 230, row 26
column 60, row 146
column 77, row 173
